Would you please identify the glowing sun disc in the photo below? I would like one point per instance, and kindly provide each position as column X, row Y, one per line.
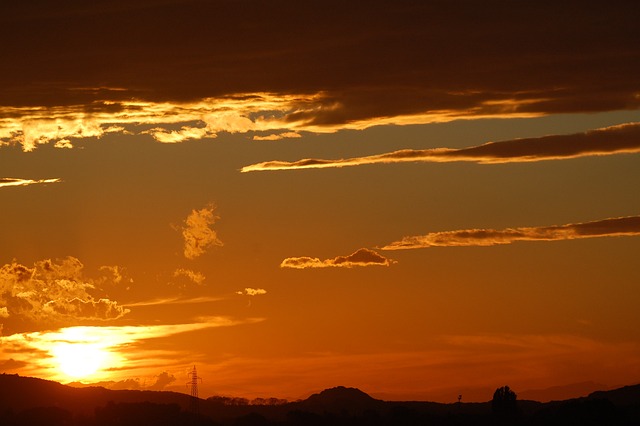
column 79, row 360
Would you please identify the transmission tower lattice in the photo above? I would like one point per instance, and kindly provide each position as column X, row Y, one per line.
column 193, row 374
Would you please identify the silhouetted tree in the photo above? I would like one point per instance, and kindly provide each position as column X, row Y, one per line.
column 504, row 405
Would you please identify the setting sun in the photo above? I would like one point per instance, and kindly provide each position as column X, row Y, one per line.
column 80, row 360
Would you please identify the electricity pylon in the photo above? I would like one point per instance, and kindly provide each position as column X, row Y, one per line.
column 193, row 374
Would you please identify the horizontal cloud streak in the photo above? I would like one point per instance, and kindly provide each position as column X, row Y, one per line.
column 37, row 349
column 614, row 227
column 612, row 140
column 362, row 257
column 255, row 112
column 24, row 182
column 202, row 118
column 174, row 301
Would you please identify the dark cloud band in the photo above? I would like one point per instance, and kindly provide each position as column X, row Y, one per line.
column 397, row 60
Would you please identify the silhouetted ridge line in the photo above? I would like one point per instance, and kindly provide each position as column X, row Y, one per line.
column 30, row 401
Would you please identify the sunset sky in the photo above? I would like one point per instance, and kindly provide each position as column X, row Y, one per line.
column 420, row 199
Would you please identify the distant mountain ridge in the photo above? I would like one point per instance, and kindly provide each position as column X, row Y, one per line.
column 564, row 392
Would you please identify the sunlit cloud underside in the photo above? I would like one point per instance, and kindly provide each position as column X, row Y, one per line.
column 362, row 257
column 166, row 122
column 613, row 227
column 5, row 182
column 620, row 139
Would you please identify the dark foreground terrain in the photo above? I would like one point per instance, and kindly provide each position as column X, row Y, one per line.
column 33, row 402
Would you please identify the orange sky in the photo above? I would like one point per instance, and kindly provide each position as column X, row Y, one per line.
column 178, row 184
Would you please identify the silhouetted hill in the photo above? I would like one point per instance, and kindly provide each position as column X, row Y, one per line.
column 340, row 399
column 31, row 401
column 19, row 393
column 628, row 395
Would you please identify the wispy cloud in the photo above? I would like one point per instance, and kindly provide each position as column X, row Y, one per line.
column 195, row 277
column 362, row 257
column 621, row 139
column 252, row 291
column 177, row 136
column 174, row 301
column 277, row 136
column 613, row 227
column 53, row 293
column 24, row 182
column 115, row 272
column 197, row 232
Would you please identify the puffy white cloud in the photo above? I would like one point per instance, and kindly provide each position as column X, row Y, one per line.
column 252, row 291
column 163, row 380
column 53, row 292
column 197, row 232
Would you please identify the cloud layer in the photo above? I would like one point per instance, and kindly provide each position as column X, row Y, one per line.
column 198, row 234
column 362, row 257
column 169, row 69
column 53, row 292
column 605, row 141
column 614, row 227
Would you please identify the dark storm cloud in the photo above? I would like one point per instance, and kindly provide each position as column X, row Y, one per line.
column 363, row 60
column 613, row 227
column 606, row 141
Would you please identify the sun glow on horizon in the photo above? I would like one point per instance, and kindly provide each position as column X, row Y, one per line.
column 81, row 360
column 99, row 353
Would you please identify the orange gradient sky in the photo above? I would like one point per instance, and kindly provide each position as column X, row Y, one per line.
column 418, row 199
